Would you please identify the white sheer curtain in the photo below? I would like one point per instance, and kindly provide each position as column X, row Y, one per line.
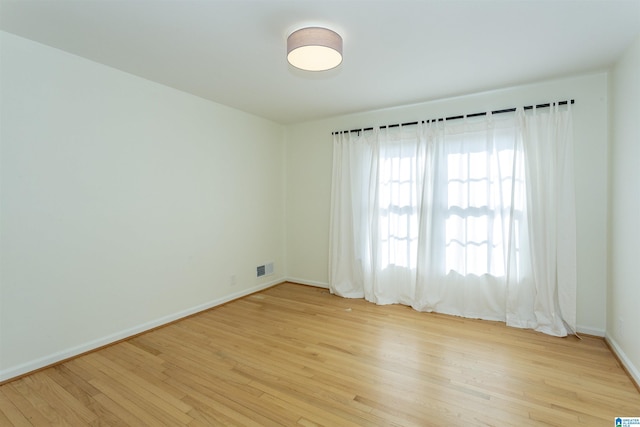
column 548, row 146
column 470, row 217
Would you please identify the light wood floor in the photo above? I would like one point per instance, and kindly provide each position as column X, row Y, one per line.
column 296, row 355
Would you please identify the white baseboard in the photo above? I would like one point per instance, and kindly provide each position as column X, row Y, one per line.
column 34, row 365
column 631, row 369
column 308, row 282
column 43, row 362
column 590, row 331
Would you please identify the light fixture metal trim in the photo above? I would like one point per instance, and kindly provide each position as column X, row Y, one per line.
column 314, row 49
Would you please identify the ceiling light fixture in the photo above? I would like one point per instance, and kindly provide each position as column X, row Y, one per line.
column 314, row 49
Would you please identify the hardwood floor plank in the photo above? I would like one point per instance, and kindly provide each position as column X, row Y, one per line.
column 142, row 392
column 206, row 415
column 294, row 355
column 10, row 414
column 144, row 413
column 163, row 397
column 247, row 412
column 65, row 404
column 34, row 405
column 124, row 417
column 310, row 393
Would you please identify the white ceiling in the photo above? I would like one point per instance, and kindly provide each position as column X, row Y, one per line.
column 395, row 52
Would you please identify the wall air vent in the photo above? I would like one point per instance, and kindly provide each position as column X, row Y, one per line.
column 264, row 270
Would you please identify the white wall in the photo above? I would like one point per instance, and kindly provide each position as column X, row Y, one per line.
column 309, row 159
column 124, row 204
column 623, row 320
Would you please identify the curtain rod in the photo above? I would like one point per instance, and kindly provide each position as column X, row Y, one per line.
column 506, row 110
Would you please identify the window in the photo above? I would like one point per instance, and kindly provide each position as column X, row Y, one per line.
column 473, row 192
column 398, row 210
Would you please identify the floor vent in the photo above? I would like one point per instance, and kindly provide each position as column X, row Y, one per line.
column 264, row 270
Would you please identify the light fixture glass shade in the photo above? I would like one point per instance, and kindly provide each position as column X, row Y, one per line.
column 314, row 49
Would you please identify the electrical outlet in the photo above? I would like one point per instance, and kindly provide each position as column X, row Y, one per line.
column 232, row 280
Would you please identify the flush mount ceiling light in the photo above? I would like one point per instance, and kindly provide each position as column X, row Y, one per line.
column 314, row 49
